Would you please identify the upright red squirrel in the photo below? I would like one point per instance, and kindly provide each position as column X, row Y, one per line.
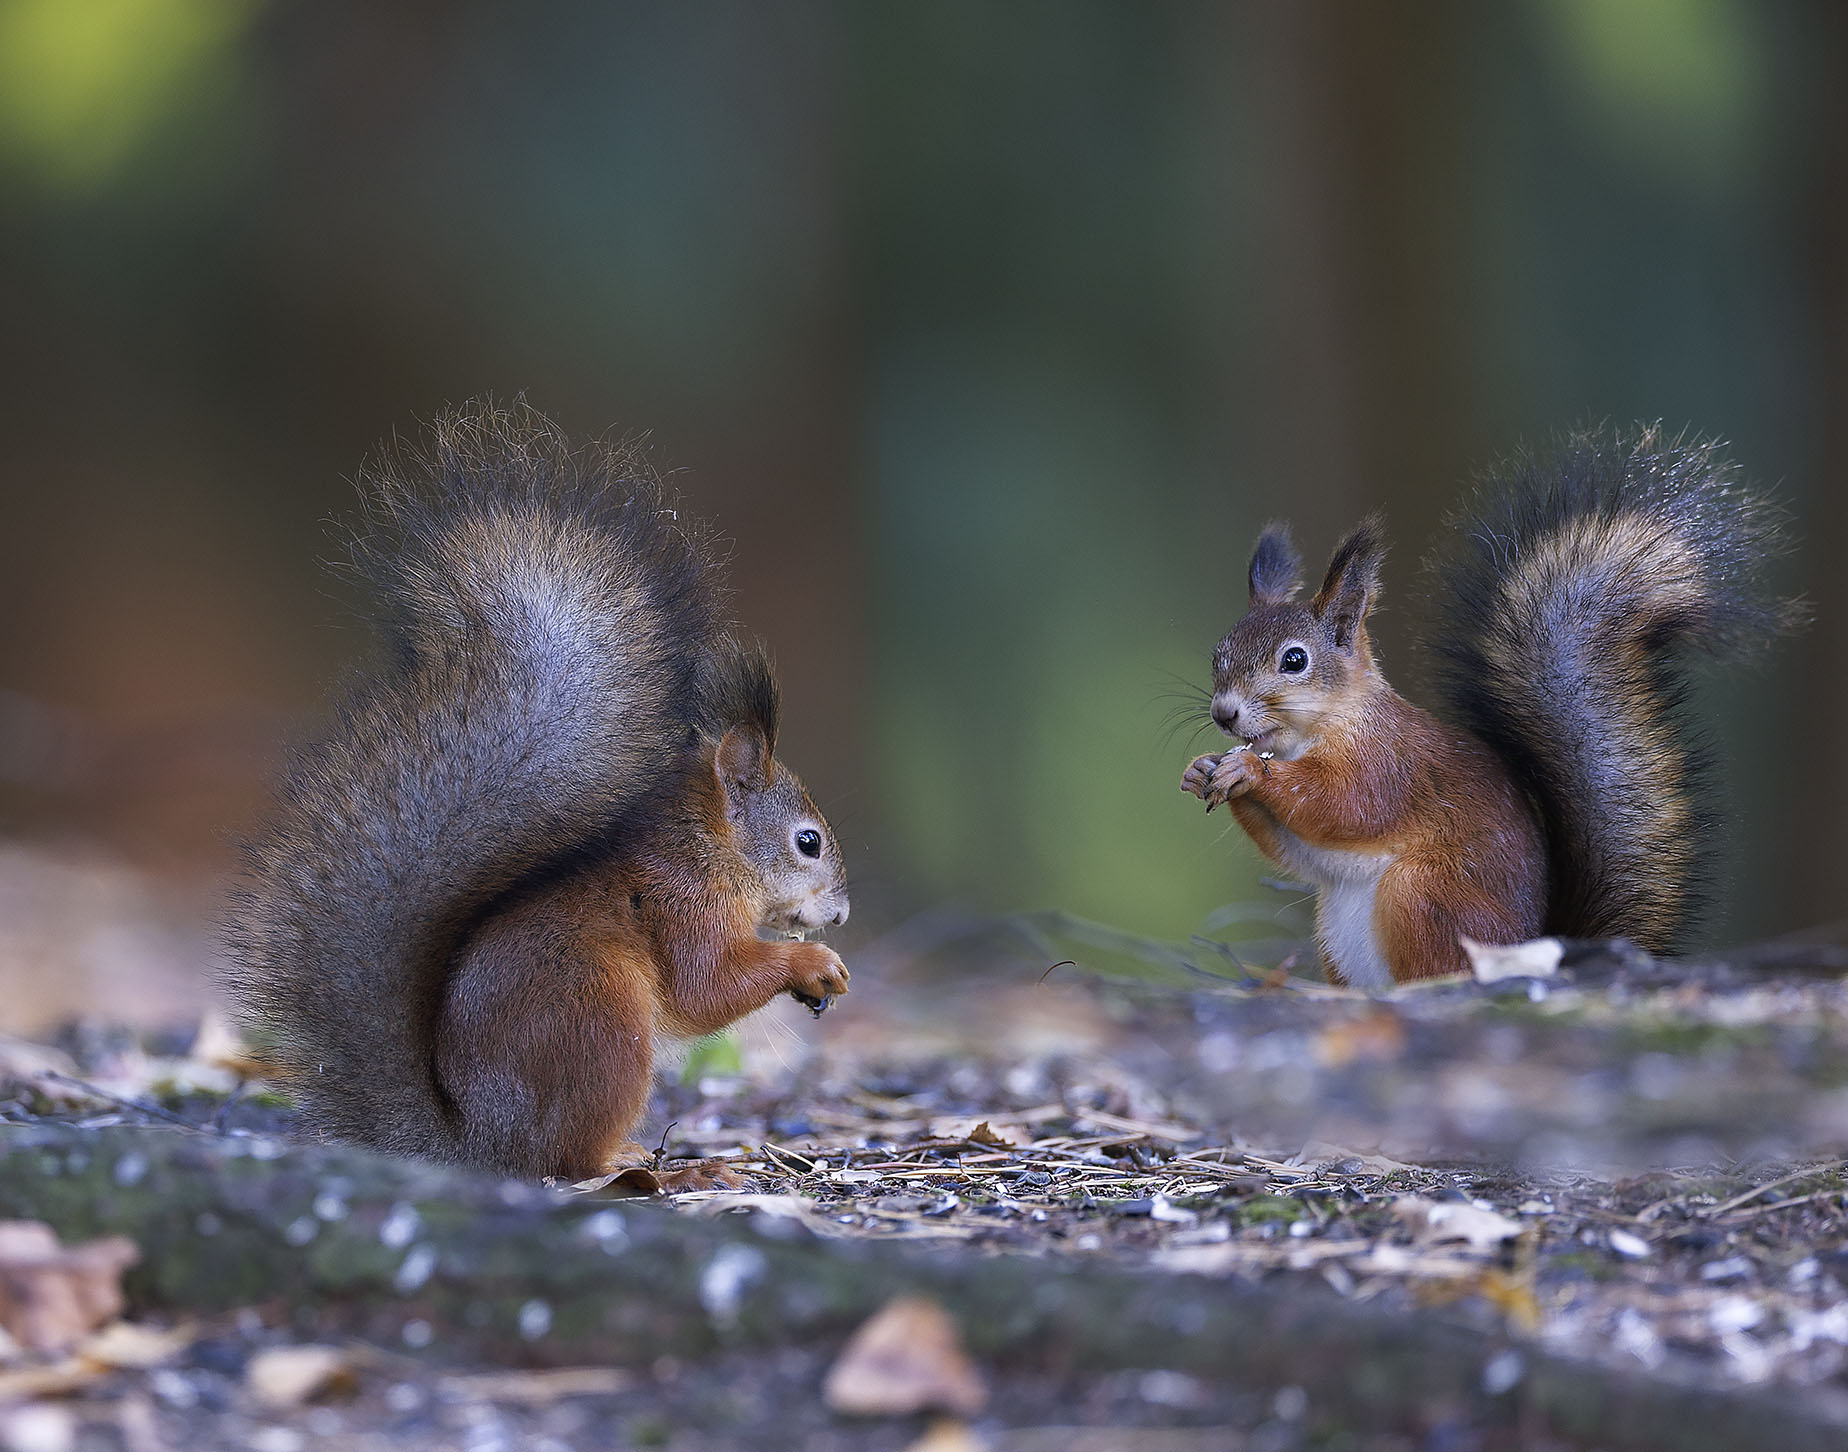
column 544, row 830
column 1559, row 791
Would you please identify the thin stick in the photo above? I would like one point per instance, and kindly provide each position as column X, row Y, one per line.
column 116, row 1099
column 1738, row 1200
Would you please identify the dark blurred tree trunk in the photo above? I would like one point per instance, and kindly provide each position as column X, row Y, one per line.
column 1816, row 877
column 782, row 479
column 1376, row 407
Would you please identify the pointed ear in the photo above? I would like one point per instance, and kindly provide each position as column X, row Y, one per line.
column 743, row 762
column 1353, row 583
column 1276, row 567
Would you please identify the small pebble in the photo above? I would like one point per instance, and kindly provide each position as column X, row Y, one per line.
column 38, row 1427
column 403, row 1397
column 1503, row 1373
column 1632, row 1246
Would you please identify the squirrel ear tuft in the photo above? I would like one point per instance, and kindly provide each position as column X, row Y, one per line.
column 743, row 762
column 1276, row 567
column 1353, row 583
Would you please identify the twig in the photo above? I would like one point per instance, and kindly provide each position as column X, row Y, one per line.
column 1758, row 1210
column 777, row 1152
column 1753, row 1194
column 139, row 1106
column 238, row 1091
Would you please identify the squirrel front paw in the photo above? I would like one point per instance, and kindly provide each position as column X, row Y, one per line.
column 817, row 976
column 1237, row 773
column 1198, row 777
column 1218, row 777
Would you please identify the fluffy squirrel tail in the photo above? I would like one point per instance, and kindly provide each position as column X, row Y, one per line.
column 549, row 629
column 1578, row 583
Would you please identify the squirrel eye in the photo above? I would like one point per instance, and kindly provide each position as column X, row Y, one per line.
column 1293, row 661
column 808, row 842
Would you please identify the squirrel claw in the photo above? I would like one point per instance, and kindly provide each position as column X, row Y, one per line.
column 816, row 1006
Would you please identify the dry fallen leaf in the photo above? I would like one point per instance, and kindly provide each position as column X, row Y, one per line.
column 778, row 1207
column 945, row 1435
column 59, row 1379
column 127, row 1346
column 1374, row 1037
column 218, row 1043
column 52, row 1295
column 37, row 1068
column 908, row 1358
column 1351, row 1161
column 1492, row 962
column 979, row 1131
column 1433, row 1223
column 635, row 1180
column 281, row 1377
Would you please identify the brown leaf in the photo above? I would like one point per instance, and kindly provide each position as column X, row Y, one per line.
column 945, row 1435
column 61, row 1378
column 281, row 1377
column 125, row 1345
column 1374, row 1037
column 1321, row 1152
column 1436, row 1224
column 978, row 1131
column 908, row 1358
column 50, row 1295
column 636, row 1180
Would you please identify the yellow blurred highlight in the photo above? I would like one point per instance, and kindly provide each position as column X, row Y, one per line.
column 85, row 83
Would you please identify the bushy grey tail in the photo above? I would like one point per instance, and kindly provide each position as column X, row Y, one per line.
column 1578, row 583
column 547, row 620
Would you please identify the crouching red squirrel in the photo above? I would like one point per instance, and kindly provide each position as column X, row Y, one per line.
column 546, row 828
column 1557, row 791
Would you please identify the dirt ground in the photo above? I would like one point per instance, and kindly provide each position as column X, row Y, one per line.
column 1134, row 1126
column 1630, row 1167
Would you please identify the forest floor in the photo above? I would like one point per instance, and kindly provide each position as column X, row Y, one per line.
column 1604, row 1207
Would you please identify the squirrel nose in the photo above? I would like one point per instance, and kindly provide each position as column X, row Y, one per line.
column 1225, row 720
column 840, row 917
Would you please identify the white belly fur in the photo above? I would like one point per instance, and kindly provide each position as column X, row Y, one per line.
column 1345, row 886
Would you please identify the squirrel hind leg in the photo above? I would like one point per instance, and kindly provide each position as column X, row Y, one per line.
column 547, row 1080
column 1424, row 903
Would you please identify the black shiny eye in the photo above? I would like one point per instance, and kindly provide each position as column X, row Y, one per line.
column 1294, row 661
column 808, row 842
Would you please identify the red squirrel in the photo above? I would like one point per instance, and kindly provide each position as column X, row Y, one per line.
column 545, row 829
column 1558, row 790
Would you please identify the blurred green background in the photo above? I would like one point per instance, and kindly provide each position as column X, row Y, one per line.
column 990, row 332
